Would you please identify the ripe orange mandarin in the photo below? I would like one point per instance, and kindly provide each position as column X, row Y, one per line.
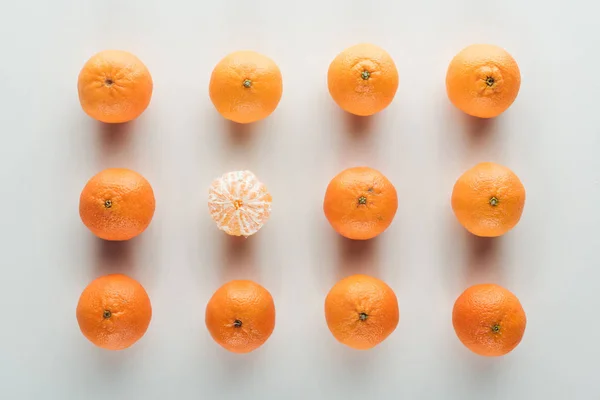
column 483, row 80
column 114, row 312
column 360, row 203
column 114, row 86
column 245, row 86
column 489, row 320
column 361, row 311
column 488, row 199
column 240, row 316
column 117, row 204
column 363, row 79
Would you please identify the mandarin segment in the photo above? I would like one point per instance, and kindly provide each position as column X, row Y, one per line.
column 114, row 86
column 489, row 320
column 114, row 312
column 240, row 316
column 245, row 86
column 360, row 203
column 363, row 79
column 239, row 203
column 488, row 199
column 483, row 80
column 361, row 311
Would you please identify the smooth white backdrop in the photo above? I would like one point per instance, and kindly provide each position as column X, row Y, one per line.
column 549, row 137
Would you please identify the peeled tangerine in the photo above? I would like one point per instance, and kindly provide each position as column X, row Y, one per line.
column 239, row 203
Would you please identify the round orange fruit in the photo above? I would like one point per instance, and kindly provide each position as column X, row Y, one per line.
column 245, row 86
column 114, row 86
column 363, row 79
column 114, row 312
column 488, row 199
column 489, row 320
column 240, row 316
column 239, row 203
column 360, row 203
column 361, row 311
column 483, row 80
column 117, row 204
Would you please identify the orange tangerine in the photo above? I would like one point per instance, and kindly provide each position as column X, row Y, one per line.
column 239, row 203
column 245, row 86
column 240, row 316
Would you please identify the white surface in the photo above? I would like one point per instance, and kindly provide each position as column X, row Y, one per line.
column 550, row 138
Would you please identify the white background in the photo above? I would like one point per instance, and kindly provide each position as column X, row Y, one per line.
column 549, row 137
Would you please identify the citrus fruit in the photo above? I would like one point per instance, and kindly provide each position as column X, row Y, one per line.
column 245, row 86
column 114, row 86
column 488, row 199
column 240, row 316
column 114, row 312
column 363, row 79
column 117, row 204
column 239, row 203
column 489, row 320
column 361, row 311
column 483, row 80
column 360, row 203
